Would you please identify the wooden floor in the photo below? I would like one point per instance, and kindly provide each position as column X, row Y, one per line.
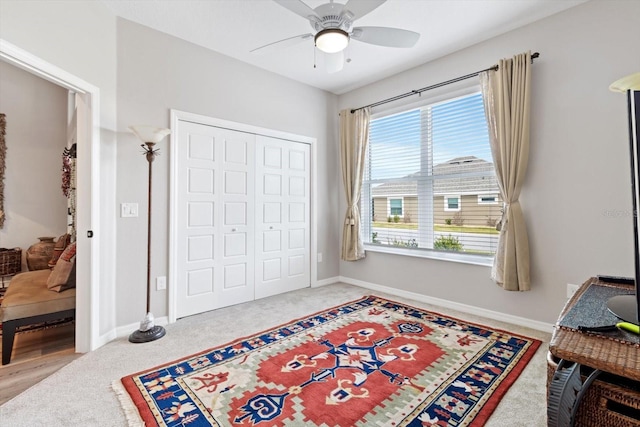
column 36, row 355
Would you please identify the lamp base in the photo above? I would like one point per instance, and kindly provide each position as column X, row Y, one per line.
column 152, row 334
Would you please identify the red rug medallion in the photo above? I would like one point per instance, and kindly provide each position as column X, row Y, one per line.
column 369, row 362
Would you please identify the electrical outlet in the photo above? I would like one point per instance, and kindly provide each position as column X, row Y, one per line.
column 319, row 256
column 571, row 289
column 161, row 283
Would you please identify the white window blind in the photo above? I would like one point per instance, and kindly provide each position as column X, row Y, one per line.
column 437, row 161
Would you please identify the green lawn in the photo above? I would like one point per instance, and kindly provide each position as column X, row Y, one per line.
column 439, row 227
column 406, row 226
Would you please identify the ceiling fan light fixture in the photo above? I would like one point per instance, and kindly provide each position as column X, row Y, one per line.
column 332, row 40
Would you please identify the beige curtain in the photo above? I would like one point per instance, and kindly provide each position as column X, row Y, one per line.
column 507, row 98
column 354, row 137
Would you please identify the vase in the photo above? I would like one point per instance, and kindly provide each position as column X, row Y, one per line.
column 39, row 254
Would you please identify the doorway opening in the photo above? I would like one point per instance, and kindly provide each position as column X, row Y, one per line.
column 87, row 336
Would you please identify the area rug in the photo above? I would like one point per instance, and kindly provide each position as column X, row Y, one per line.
column 371, row 362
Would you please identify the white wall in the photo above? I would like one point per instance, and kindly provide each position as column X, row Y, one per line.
column 578, row 170
column 36, row 135
column 158, row 72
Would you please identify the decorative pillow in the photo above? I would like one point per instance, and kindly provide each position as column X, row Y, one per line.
column 69, row 252
column 61, row 244
column 62, row 276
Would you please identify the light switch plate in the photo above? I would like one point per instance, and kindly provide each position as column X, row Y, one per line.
column 128, row 210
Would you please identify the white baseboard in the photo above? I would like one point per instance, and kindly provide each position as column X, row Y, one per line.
column 105, row 338
column 126, row 330
column 464, row 308
column 325, row 282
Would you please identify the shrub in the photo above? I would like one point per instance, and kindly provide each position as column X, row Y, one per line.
column 410, row 243
column 407, row 218
column 458, row 220
column 491, row 222
column 447, row 243
column 396, row 219
column 388, row 219
column 447, row 221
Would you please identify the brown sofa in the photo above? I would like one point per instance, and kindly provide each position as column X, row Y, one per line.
column 28, row 301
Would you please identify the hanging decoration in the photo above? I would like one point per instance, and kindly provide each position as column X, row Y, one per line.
column 69, row 186
column 67, row 155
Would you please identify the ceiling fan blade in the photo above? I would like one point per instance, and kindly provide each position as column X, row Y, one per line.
column 359, row 8
column 385, row 36
column 281, row 44
column 334, row 61
column 298, row 7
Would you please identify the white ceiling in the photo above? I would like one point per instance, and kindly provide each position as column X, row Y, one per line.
column 235, row 27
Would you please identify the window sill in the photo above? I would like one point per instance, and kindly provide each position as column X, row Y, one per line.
column 483, row 260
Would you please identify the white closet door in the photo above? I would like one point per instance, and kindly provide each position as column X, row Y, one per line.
column 215, row 192
column 238, row 226
column 283, row 218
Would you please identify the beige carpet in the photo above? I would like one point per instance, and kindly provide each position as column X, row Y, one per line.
column 80, row 393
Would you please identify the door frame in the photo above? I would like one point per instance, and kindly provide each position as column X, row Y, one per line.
column 87, row 335
column 176, row 117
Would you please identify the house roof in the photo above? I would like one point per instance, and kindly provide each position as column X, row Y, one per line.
column 468, row 185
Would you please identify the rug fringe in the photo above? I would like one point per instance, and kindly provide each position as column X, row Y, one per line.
column 128, row 407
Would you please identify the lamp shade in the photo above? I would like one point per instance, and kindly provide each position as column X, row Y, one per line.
column 150, row 133
column 332, row 40
column 630, row 82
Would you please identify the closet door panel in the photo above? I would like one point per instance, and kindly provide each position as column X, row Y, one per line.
column 198, row 218
column 283, row 223
column 215, row 205
column 238, row 207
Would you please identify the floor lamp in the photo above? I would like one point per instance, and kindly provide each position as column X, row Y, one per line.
column 150, row 135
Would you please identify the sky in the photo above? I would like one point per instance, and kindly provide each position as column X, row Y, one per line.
column 458, row 128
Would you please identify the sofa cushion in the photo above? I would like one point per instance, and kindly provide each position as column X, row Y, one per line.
column 27, row 295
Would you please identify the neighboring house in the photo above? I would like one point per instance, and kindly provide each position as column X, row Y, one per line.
column 472, row 199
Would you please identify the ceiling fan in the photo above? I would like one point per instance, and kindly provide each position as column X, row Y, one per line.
column 333, row 28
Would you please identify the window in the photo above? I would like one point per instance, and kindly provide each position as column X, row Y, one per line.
column 431, row 166
column 451, row 203
column 395, row 207
column 484, row 199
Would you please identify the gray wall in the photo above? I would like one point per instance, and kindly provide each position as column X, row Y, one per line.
column 576, row 199
column 158, row 72
column 77, row 36
column 36, row 135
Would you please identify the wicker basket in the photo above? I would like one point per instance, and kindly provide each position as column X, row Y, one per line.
column 610, row 401
column 10, row 261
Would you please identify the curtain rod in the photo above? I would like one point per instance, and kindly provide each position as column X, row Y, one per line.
column 435, row 86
